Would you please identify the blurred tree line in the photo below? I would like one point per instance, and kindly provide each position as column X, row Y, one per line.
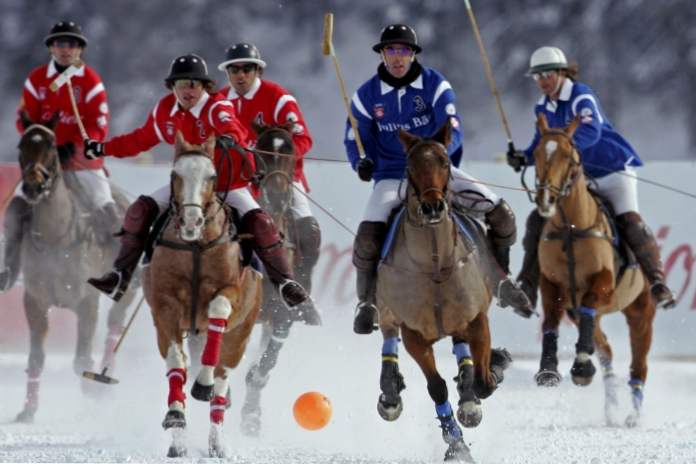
column 627, row 50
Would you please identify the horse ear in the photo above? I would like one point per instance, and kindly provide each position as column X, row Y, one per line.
column 24, row 118
column 408, row 140
column 51, row 124
column 180, row 144
column 573, row 126
column 258, row 128
column 444, row 134
column 542, row 123
column 288, row 126
column 209, row 146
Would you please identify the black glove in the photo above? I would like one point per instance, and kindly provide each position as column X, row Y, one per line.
column 226, row 142
column 65, row 152
column 93, row 149
column 365, row 168
column 516, row 158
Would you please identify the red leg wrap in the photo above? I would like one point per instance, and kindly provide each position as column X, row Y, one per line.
column 177, row 379
column 213, row 343
column 217, row 409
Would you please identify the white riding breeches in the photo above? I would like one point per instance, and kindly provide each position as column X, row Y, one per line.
column 93, row 182
column 300, row 203
column 620, row 189
column 389, row 193
column 240, row 199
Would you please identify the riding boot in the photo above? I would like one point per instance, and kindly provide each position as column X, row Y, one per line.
column 528, row 278
column 136, row 226
column 502, row 235
column 366, row 251
column 642, row 241
column 106, row 223
column 17, row 219
column 268, row 246
column 308, row 241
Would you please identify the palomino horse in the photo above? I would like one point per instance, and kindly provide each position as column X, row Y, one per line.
column 276, row 155
column 578, row 273
column 58, row 253
column 435, row 282
column 195, row 281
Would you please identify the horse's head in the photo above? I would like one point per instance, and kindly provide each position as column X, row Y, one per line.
column 193, row 187
column 428, row 170
column 557, row 165
column 38, row 158
column 276, row 151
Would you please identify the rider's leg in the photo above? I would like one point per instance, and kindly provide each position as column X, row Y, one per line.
column 528, row 278
column 98, row 191
column 136, row 226
column 17, row 219
column 621, row 189
column 267, row 245
column 502, row 235
column 367, row 247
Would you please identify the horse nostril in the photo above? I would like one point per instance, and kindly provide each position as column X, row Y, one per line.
column 440, row 206
column 199, row 221
column 426, row 209
column 182, row 221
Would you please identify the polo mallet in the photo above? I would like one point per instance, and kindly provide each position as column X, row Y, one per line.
column 328, row 49
column 64, row 79
column 102, row 377
column 489, row 76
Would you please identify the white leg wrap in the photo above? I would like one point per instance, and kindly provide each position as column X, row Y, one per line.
column 219, row 308
column 220, row 388
column 175, row 357
column 176, row 406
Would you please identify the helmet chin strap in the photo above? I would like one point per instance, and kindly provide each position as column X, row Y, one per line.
column 556, row 90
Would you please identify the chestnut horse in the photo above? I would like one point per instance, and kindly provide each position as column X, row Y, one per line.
column 579, row 275
column 276, row 158
column 195, row 281
column 59, row 251
column 435, row 281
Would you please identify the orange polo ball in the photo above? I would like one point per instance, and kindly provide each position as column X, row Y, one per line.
column 312, row 410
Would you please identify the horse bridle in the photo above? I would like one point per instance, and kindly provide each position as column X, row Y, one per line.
column 47, row 174
column 205, row 209
column 571, row 176
column 420, row 194
column 287, row 201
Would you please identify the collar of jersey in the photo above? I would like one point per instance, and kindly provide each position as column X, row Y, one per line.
column 52, row 71
column 196, row 109
column 232, row 94
column 565, row 94
column 416, row 84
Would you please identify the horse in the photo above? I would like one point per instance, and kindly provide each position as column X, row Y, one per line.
column 579, row 274
column 58, row 253
column 435, row 281
column 276, row 154
column 195, row 281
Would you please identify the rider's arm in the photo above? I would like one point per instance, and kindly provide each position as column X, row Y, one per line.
column 29, row 103
column 137, row 141
column 288, row 110
column 589, row 130
column 365, row 123
column 94, row 109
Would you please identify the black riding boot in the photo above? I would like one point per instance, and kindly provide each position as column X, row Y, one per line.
column 642, row 241
column 136, row 226
column 309, row 242
column 366, row 251
column 502, row 235
column 17, row 219
column 528, row 278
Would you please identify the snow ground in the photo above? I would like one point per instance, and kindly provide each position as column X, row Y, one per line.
column 522, row 423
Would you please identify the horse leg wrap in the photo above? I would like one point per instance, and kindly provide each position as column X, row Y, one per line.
column 219, row 401
column 211, row 353
column 585, row 342
column 636, row 393
column 549, row 350
column 177, row 379
column 451, row 433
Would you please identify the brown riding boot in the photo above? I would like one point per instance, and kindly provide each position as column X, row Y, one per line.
column 136, row 226
column 309, row 242
column 17, row 218
column 528, row 278
column 502, row 235
column 366, row 252
column 642, row 241
column 268, row 246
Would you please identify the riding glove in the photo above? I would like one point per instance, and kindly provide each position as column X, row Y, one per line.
column 65, row 152
column 516, row 159
column 93, row 149
column 365, row 168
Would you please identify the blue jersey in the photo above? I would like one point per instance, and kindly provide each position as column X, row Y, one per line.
column 421, row 108
column 602, row 149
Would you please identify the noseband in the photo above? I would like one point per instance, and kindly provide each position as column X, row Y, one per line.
column 176, row 208
column 47, row 174
column 409, row 156
column 572, row 174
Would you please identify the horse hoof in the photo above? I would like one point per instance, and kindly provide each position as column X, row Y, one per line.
column 202, row 392
column 215, row 446
column 25, row 417
column 251, row 423
column 582, row 372
column 470, row 413
column 389, row 411
column 632, row 421
column 547, row 378
column 176, row 452
column 174, row 419
column 459, row 452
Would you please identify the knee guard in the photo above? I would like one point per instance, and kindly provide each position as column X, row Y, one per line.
column 501, row 221
column 368, row 244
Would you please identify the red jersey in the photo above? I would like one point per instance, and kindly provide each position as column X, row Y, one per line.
column 41, row 104
column 212, row 115
column 269, row 103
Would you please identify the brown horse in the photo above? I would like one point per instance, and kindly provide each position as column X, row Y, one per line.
column 195, row 281
column 276, row 157
column 578, row 273
column 435, row 281
column 59, row 250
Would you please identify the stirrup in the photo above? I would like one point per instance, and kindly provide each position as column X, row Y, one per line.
column 292, row 301
column 365, row 320
column 666, row 299
column 114, row 292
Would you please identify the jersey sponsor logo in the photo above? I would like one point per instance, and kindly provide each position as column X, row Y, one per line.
column 224, row 116
column 418, row 104
column 42, row 93
column 201, row 129
column 420, row 121
column 378, row 111
column 169, row 128
column 392, row 127
column 103, row 108
column 586, row 115
column 77, row 91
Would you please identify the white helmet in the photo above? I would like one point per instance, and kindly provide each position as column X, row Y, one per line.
column 547, row 59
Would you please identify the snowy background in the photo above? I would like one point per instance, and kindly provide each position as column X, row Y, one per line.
column 639, row 56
